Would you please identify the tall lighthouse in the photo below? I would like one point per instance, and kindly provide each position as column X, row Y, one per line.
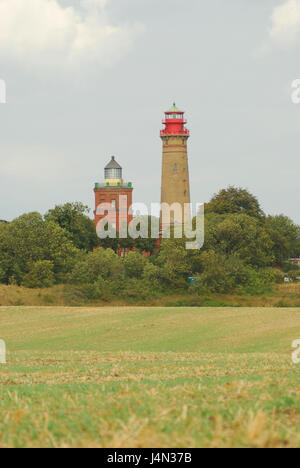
column 175, row 185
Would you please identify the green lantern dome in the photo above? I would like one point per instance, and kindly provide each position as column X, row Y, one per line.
column 174, row 108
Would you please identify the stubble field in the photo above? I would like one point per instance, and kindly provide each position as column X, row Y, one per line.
column 149, row 377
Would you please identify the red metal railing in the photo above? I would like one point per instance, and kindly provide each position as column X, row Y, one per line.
column 166, row 132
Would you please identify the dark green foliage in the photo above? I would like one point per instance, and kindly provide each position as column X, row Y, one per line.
column 285, row 236
column 40, row 275
column 289, row 266
column 241, row 250
column 100, row 264
column 174, row 264
column 73, row 218
column 134, row 265
column 235, row 200
column 30, row 239
column 239, row 235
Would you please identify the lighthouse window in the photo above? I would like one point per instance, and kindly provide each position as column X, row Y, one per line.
column 113, row 173
column 175, row 170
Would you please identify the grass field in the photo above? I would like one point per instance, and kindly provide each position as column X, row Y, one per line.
column 149, row 377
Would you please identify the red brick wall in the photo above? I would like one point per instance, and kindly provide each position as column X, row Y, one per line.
column 107, row 195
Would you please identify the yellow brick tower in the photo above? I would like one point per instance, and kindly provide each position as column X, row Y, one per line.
column 175, row 185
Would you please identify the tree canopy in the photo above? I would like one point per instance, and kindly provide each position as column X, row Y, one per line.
column 73, row 218
column 235, row 200
column 244, row 251
column 29, row 239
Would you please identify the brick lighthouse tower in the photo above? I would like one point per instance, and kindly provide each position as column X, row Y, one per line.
column 116, row 194
column 175, row 186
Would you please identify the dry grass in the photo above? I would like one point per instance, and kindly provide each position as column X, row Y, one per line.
column 149, row 400
column 19, row 296
column 289, row 288
column 284, row 295
column 149, row 377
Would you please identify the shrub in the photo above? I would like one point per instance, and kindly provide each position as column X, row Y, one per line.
column 221, row 274
column 271, row 275
column 100, row 264
column 40, row 275
column 29, row 239
column 134, row 265
column 174, row 264
column 151, row 277
column 135, row 290
column 261, row 281
column 293, row 275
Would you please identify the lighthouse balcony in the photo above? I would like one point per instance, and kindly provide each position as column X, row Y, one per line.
column 109, row 185
column 170, row 132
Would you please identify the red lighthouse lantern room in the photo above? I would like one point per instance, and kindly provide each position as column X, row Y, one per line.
column 174, row 123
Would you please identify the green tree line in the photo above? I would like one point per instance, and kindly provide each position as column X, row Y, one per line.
column 245, row 251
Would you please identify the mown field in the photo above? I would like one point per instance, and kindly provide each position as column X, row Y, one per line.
column 149, row 377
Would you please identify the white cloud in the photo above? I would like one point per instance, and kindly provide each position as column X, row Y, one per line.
column 45, row 33
column 284, row 31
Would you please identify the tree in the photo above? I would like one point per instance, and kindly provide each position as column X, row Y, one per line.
column 8, row 267
column 134, row 265
column 235, row 200
column 174, row 263
column 73, row 218
column 285, row 236
column 147, row 244
column 29, row 239
column 220, row 273
column 40, row 275
column 239, row 235
column 152, row 276
column 101, row 264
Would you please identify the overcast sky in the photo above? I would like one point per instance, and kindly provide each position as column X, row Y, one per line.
column 87, row 79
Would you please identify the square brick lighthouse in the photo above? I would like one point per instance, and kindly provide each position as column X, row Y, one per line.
column 115, row 194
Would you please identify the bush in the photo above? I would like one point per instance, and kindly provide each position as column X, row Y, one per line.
column 100, row 264
column 241, row 236
column 221, row 274
column 261, row 281
column 289, row 266
column 293, row 275
column 40, row 275
column 30, row 239
column 174, row 263
column 151, row 277
column 134, row 265
column 135, row 290
column 271, row 275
